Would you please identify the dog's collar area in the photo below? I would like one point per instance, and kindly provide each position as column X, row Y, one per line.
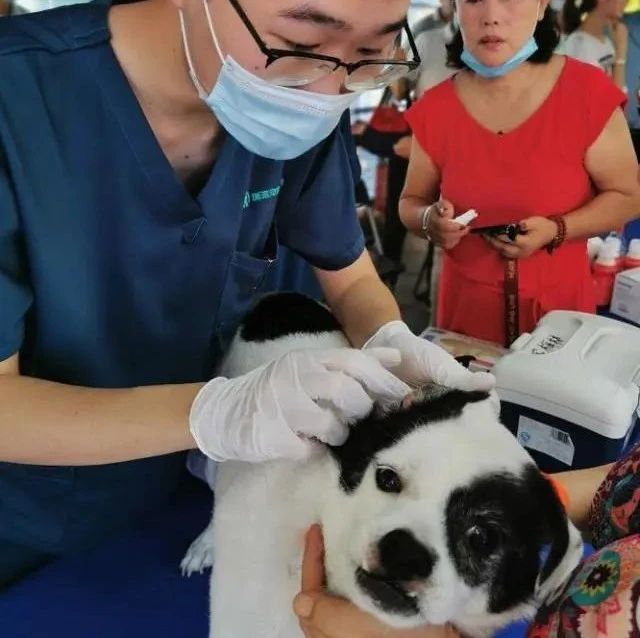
column 560, row 490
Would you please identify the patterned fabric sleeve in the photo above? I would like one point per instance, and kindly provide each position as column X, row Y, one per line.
column 603, row 597
column 601, row 600
column 615, row 511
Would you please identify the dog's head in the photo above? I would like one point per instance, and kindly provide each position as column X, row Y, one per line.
column 438, row 515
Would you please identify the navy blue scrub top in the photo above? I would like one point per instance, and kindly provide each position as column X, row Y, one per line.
column 111, row 273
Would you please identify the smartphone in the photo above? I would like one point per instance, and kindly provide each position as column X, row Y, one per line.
column 510, row 230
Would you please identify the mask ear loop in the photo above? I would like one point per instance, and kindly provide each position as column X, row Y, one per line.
column 540, row 18
column 185, row 42
column 212, row 31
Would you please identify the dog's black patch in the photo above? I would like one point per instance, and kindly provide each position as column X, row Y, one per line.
column 403, row 557
column 286, row 313
column 526, row 515
column 379, row 432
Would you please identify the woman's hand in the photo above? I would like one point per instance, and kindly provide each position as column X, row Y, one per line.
column 440, row 229
column 324, row 616
column 538, row 232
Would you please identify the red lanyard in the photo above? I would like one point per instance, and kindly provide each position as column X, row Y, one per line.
column 511, row 310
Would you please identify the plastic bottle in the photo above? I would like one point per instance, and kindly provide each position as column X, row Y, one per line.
column 594, row 244
column 605, row 268
column 632, row 258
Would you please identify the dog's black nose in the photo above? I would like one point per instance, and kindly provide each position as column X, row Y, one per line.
column 403, row 557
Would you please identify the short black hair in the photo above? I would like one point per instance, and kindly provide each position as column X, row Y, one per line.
column 546, row 34
column 572, row 12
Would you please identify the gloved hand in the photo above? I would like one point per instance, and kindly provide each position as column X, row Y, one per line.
column 423, row 361
column 281, row 409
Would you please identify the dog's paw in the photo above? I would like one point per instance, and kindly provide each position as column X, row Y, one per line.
column 199, row 556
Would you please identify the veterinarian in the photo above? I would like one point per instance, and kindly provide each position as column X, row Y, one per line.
column 155, row 158
column 522, row 139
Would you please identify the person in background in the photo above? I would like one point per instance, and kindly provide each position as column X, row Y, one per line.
column 597, row 35
column 433, row 34
column 524, row 137
column 436, row 32
column 385, row 145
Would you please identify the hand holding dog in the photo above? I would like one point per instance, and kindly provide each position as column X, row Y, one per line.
column 423, row 361
column 282, row 409
column 325, row 616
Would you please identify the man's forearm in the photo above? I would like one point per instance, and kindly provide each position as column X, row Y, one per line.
column 48, row 423
column 364, row 307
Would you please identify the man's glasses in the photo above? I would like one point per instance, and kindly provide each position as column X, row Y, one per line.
column 299, row 68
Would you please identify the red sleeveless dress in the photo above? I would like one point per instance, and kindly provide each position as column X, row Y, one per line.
column 536, row 169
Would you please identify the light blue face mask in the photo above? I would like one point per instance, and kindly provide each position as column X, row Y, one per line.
column 525, row 52
column 272, row 121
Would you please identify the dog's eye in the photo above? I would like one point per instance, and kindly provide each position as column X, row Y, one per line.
column 388, row 480
column 483, row 540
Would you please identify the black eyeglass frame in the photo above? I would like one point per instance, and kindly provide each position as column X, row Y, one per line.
column 276, row 54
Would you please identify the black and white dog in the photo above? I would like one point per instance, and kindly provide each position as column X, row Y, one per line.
column 431, row 511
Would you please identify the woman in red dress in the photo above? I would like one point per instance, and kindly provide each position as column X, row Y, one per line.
column 522, row 136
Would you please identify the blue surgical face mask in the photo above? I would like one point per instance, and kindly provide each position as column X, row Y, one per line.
column 525, row 52
column 272, row 121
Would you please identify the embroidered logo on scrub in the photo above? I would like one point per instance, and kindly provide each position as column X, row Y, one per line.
column 260, row 196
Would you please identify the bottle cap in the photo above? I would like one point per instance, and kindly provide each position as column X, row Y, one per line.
column 608, row 254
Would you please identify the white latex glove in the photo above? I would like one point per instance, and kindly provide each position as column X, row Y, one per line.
column 281, row 409
column 423, row 361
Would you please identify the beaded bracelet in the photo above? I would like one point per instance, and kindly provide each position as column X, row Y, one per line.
column 561, row 232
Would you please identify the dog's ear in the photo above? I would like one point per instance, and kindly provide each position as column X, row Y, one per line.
column 562, row 539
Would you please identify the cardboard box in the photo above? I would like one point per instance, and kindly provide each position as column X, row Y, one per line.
column 482, row 355
column 625, row 302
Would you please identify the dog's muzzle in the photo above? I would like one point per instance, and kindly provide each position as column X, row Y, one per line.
column 403, row 561
column 389, row 595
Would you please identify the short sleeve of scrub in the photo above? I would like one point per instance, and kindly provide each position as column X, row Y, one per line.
column 317, row 216
column 15, row 294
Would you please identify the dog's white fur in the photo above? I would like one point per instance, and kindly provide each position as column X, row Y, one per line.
column 263, row 510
